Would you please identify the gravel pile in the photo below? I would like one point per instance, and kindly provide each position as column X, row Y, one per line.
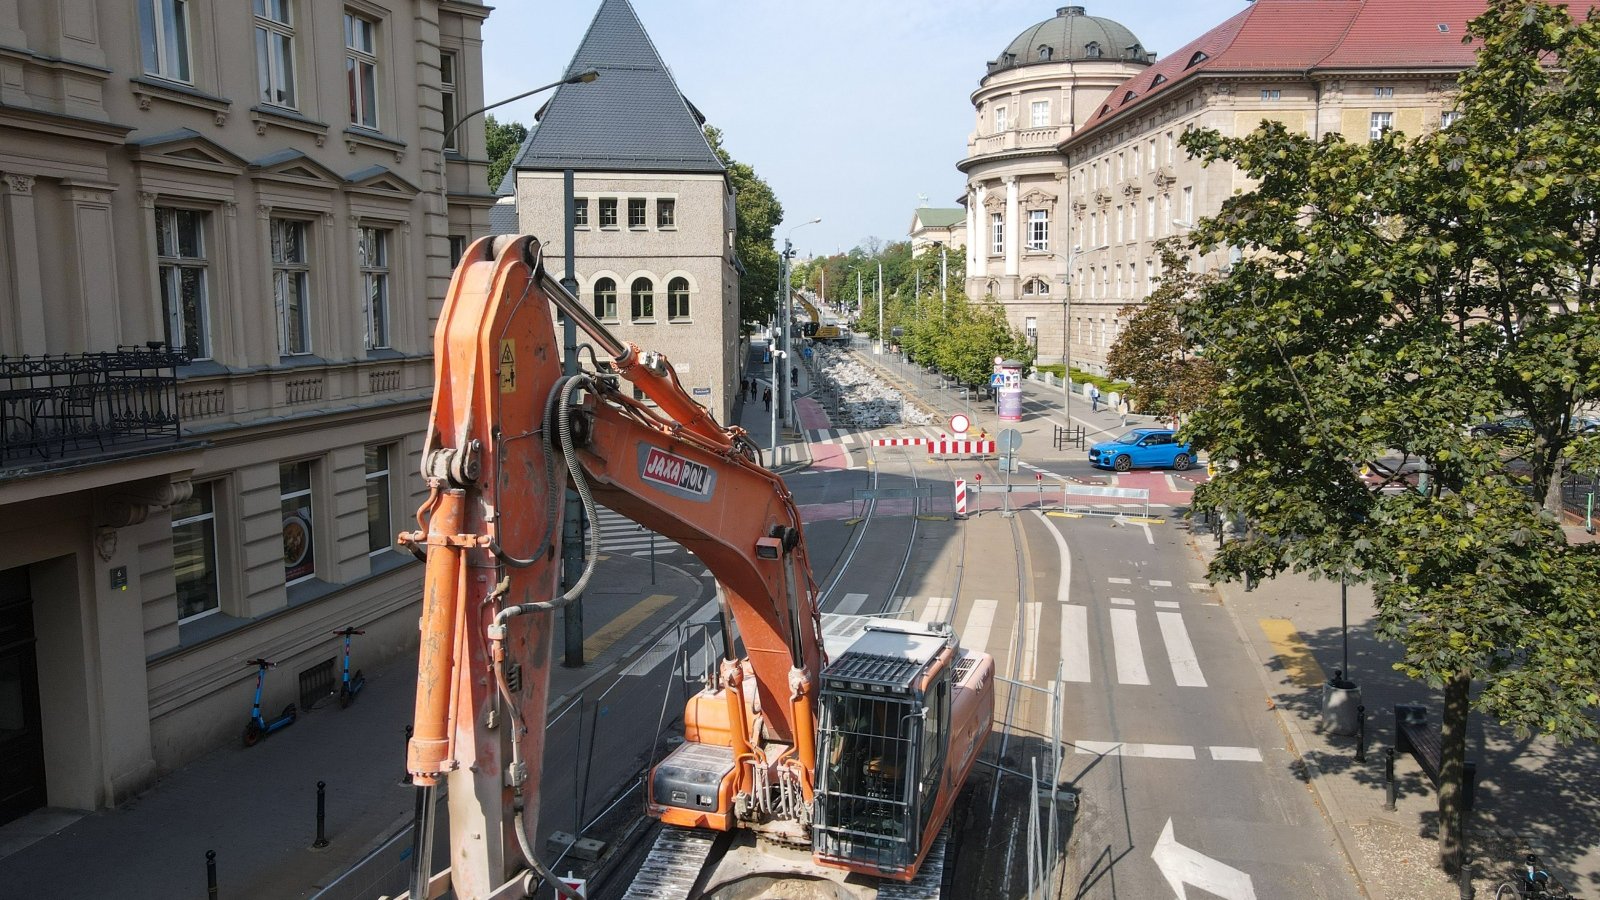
column 860, row 399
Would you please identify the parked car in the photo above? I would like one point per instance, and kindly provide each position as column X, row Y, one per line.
column 1143, row 448
column 1519, row 425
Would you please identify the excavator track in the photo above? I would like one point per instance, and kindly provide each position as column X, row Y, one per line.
column 672, row 867
column 930, row 878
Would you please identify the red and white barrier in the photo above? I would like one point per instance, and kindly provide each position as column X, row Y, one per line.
column 961, row 497
column 899, row 442
column 960, row 448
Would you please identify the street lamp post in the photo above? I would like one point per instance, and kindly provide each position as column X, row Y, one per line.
column 1070, row 256
column 777, row 373
column 785, row 390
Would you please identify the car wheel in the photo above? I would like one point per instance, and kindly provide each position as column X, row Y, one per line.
column 1180, row 462
column 1123, row 463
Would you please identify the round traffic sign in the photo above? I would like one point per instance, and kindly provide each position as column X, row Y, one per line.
column 1010, row 439
column 959, row 423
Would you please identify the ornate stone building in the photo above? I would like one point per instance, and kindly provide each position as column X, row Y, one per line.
column 225, row 233
column 1042, row 88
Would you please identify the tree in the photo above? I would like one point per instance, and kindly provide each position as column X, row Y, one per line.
column 503, row 142
column 1391, row 293
column 1152, row 352
column 757, row 212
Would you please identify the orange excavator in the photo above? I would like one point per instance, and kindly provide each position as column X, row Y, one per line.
column 858, row 759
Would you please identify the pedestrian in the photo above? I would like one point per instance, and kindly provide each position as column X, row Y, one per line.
column 794, row 375
column 752, row 389
column 1094, row 397
column 766, row 398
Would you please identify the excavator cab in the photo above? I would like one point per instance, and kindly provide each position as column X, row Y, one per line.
column 882, row 741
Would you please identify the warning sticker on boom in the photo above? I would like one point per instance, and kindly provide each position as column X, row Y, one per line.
column 676, row 475
column 508, row 366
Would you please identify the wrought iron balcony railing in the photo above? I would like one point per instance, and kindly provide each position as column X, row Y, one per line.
column 58, row 407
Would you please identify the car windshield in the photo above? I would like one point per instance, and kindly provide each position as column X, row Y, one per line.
column 1132, row 437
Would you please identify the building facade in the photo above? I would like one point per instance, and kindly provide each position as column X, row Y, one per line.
column 1041, row 88
column 227, row 229
column 654, row 220
column 932, row 228
column 1355, row 68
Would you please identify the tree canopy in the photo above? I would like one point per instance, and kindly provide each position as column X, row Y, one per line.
column 504, row 139
column 1151, row 351
column 1390, row 294
column 757, row 213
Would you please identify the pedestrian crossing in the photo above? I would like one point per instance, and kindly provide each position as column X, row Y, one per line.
column 619, row 534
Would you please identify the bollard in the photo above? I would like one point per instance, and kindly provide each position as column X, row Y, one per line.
column 211, row 875
column 1361, row 734
column 322, row 808
column 1390, row 789
column 407, row 779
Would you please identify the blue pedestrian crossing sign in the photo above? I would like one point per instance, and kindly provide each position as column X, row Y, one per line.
column 998, row 379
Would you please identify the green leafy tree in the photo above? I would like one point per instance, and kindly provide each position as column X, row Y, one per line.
column 504, row 139
column 757, row 212
column 1152, row 353
column 1391, row 293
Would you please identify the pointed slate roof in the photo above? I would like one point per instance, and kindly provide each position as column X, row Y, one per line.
column 631, row 119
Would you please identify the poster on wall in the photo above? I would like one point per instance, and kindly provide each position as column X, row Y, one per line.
column 298, row 559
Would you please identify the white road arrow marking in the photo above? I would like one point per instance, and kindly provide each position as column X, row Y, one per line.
column 1182, row 865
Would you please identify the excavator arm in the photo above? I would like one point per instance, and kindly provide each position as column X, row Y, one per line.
column 507, row 433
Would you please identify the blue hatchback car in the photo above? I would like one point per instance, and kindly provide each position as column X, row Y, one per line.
column 1142, row 448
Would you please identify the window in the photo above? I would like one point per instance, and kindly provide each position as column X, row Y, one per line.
column 1091, row 50
column 678, row 299
column 1149, row 276
column 608, row 212
column 1381, row 122
column 181, row 261
column 1152, row 154
column 1094, row 225
column 1271, row 94
column 1038, row 229
column 275, row 52
column 373, row 254
column 447, row 98
column 1188, row 205
column 1121, row 234
column 1133, row 220
column 605, row 300
column 1035, row 286
column 666, row 213
column 1122, row 172
column 361, row 69
column 997, row 234
column 1382, row 93
column 1171, row 147
column 1136, row 167
column 1449, row 117
column 164, row 38
column 1166, row 214
column 580, row 212
column 636, row 212
column 194, row 554
column 1045, row 52
column 291, row 291
column 1150, row 217
column 644, row 300
column 380, row 529
column 458, row 249
column 1041, row 113
column 1000, row 118
column 294, row 494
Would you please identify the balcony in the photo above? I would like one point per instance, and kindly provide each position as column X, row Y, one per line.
column 1017, row 139
column 67, row 408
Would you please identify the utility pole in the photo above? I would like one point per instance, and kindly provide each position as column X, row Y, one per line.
column 880, row 308
column 942, row 273
column 572, row 519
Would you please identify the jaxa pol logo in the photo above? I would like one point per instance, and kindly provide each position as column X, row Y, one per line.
column 676, row 475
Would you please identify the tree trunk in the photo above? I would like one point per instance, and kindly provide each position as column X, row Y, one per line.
column 1453, row 757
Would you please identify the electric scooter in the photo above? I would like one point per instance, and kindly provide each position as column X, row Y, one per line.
column 258, row 728
column 352, row 684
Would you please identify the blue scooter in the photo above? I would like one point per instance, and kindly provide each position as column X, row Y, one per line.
column 352, row 684
column 258, row 728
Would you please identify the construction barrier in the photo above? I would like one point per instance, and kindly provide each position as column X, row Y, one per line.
column 899, row 442
column 968, row 448
column 961, row 497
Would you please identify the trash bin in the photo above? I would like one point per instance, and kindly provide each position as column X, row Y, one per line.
column 1340, row 698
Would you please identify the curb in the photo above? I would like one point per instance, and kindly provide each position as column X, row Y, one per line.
column 1327, row 802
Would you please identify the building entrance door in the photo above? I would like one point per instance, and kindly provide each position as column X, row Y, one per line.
column 22, row 786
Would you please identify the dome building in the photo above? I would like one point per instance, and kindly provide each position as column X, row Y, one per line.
column 1048, row 82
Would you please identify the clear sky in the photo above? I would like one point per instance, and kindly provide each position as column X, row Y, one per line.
column 850, row 109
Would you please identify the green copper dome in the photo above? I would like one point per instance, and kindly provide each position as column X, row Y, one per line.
column 1071, row 36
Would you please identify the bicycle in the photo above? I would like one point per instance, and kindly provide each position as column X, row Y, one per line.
column 1534, row 884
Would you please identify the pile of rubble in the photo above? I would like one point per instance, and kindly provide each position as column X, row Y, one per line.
column 859, row 398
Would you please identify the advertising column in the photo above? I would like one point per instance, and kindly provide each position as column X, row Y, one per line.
column 1007, row 382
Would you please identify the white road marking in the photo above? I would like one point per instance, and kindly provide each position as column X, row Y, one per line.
column 1075, row 643
column 1237, row 754
column 938, row 609
column 1148, row 537
column 1154, row 583
column 1199, row 586
column 1150, row 751
column 1167, row 604
column 851, row 604
column 1030, row 640
column 1122, row 601
column 1180, row 652
column 975, row 636
column 1125, row 642
column 1120, row 580
column 1182, row 865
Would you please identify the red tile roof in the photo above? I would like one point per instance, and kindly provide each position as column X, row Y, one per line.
column 1302, row 35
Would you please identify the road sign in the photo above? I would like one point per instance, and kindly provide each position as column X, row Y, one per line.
column 959, row 423
column 1010, row 441
column 997, row 380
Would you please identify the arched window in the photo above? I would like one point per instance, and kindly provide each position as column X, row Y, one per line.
column 1195, row 60
column 605, row 300
column 1037, row 286
column 678, row 299
column 1091, row 50
column 644, row 299
column 1045, row 51
column 992, row 287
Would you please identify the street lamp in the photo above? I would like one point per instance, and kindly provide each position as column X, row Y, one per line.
column 777, row 372
column 1070, row 256
column 787, row 312
column 583, row 77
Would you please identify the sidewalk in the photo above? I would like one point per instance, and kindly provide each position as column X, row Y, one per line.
column 793, row 449
column 1533, row 796
column 256, row 807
